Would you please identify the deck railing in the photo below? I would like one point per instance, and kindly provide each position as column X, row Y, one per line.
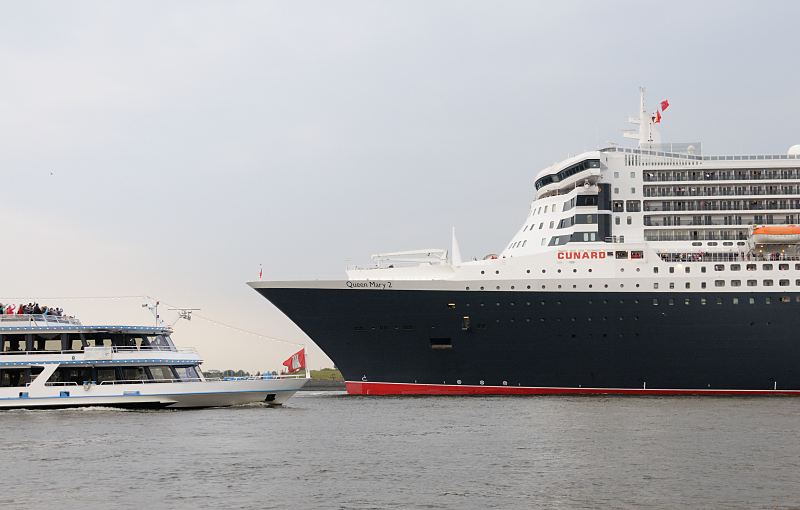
column 40, row 319
column 120, row 349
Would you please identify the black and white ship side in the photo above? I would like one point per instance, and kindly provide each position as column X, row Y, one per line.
column 654, row 270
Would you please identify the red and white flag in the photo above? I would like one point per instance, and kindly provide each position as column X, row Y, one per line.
column 657, row 120
column 664, row 105
column 296, row 362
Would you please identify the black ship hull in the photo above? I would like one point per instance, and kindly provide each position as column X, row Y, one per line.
column 472, row 342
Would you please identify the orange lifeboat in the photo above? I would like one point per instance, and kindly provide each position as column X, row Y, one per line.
column 776, row 234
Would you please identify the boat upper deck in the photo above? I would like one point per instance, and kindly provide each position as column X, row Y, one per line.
column 38, row 323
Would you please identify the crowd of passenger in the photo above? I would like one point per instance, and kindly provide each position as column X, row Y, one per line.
column 726, row 257
column 30, row 309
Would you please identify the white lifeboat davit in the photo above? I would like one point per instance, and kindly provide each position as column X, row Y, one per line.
column 776, row 234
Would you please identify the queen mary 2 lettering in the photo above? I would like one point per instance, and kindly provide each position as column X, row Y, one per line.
column 654, row 270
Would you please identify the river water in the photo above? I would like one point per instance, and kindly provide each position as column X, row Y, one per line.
column 329, row 450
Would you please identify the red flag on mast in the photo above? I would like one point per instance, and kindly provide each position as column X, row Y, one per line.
column 296, row 361
column 664, row 105
column 658, row 117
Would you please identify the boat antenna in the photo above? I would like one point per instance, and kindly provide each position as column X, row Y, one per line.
column 153, row 308
column 183, row 313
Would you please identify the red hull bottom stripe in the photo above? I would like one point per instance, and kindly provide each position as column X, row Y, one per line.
column 384, row 388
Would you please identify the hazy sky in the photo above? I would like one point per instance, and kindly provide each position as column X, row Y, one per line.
column 191, row 141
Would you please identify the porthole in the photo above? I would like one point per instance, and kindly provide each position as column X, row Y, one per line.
column 590, row 270
column 544, row 270
column 482, row 272
column 467, row 288
column 497, row 288
column 544, row 287
column 481, row 288
column 528, row 271
column 529, row 286
column 512, row 287
column 497, row 272
column 574, row 270
column 606, row 285
column 590, row 285
column 559, row 270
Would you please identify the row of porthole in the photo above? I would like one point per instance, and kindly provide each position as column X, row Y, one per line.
column 670, row 301
column 559, row 286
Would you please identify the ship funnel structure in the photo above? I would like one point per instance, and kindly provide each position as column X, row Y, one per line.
column 455, row 251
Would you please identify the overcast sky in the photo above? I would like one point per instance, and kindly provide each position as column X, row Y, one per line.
column 169, row 148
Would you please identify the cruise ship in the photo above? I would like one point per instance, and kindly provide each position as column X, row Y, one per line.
column 654, row 270
column 51, row 362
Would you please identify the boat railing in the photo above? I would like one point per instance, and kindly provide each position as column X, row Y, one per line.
column 725, row 257
column 197, row 379
column 119, row 349
column 40, row 319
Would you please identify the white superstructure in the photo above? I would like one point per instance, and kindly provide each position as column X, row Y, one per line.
column 657, row 217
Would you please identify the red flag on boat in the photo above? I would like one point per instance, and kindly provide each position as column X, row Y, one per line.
column 260, row 272
column 664, row 105
column 658, row 117
column 296, row 362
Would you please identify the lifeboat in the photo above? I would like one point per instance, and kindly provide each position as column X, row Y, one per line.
column 776, row 234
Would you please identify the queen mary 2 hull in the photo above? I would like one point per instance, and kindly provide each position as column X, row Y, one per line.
column 416, row 340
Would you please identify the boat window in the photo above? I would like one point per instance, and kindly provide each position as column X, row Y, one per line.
column 687, row 269
column 13, row 377
column 719, row 267
column 767, row 267
column 106, row 374
column 637, row 254
column 736, row 267
column 671, row 269
column 621, row 254
column 797, row 267
column 133, row 374
column 736, row 283
column 767, row 300
column 735, row 300
column 703, row 301
column 783, row 267
column 655, row 302
column 783, row 283
column 786, row 299
column 633, row 205
column 186, row 373
column 65, row 376
column 751, row 267
column 719, row 283
column 703, row 269
column 617, row 206
column 655, row 269
column 767, row 283
column 161, row 372
column 752, row 283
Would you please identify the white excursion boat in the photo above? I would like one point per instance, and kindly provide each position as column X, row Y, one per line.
column 56, row 362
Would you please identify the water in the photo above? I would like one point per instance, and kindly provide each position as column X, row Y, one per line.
column 334, row 451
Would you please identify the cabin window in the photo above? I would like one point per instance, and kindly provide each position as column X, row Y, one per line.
column 688, row 285
column 637, row 254
column 617, row 205
column 767, row 267
column 655, row 270
column 671, row 285
column 187, row 373
column 752, row 283
column 703, row 269
column 105, row 374
column 702, row 285
column 161, row 372
column 686, row 269
column 621, row 254
column 751, row 267
column 133, row 374
column 751, row 300
column 783, row 283
column 719, row 267
column 655, row 285
column 786, row 299
column 633, row 206
column 719, row 283
column 783, row 267
column 736, row 267
column 671, row 269
column 767, row 283
column 13, row 377
column 767, row 300
column 703, row 301
column 735, row 300
column 736, row 283
column 655, row 301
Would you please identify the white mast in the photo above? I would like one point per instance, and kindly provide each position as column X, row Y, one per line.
column 648, row 132
column 455, row 251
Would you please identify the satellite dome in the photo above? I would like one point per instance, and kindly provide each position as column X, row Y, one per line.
column 794, row 150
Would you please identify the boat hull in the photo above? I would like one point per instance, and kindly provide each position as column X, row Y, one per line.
column 176, row 395
column 396, row 342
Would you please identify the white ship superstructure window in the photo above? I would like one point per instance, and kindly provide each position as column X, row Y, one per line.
column 736, row 283
column 752, row 283
column 783, row 283
column 767, row 283
column 719, row 283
